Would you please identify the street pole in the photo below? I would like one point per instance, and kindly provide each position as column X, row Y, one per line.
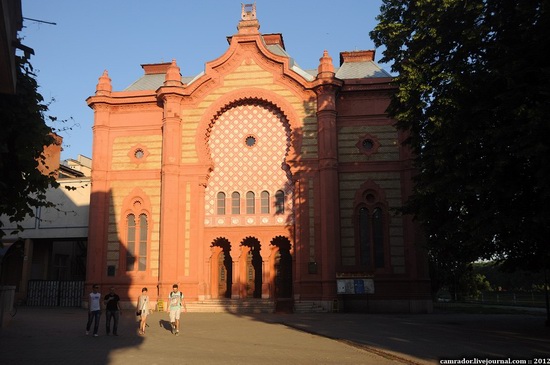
column 547, row 299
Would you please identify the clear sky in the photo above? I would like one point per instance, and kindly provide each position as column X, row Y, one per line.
column 120, row 35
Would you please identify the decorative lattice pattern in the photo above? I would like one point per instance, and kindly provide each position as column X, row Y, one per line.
column 243, row 167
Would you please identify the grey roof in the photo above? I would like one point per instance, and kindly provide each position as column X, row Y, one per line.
column 348, row 70
column 278, row 50
column 360, row 70
column 152, row 82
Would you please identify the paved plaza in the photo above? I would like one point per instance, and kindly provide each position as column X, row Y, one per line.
column 57, row 336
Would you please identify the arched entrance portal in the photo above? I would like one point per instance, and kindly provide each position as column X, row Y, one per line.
column 224, row 268
column 283, row 268
column 253, row 268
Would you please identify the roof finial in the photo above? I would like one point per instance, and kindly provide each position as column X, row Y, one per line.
column 248, row 24
column 173, row 76
column 248, row 11
column 326, row 68
column 104, row 86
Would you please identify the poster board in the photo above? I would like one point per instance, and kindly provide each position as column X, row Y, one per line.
column 355, row 286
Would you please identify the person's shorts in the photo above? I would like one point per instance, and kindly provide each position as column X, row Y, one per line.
column 174, row 314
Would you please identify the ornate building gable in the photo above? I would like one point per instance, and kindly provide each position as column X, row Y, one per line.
column 250, row 48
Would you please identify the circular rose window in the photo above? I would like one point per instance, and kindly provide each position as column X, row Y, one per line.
column 250, row 141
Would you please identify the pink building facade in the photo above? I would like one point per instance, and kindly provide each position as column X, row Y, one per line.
column 255, row 180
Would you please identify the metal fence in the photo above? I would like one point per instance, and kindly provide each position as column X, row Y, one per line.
column 52, row 293
column 525, row 299
column 520, row 299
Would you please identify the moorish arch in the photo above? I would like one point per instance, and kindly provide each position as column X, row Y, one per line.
column 252, row 267
column 222, row 268
column 249, row 96
column 248, row 144
column 281, row 262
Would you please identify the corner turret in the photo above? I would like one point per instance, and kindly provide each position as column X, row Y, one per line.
column 326, row 68
column 104, row 86
column 173, row 75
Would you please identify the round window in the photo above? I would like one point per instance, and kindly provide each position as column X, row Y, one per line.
column 368, row 144
column 250, row 141
column 139, row 153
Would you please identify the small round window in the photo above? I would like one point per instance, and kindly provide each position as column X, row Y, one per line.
column 370, row 198
column 368, row 144
column 139, row 154
column 250, row 141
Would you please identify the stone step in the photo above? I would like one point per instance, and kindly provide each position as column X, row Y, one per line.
column 231, row 306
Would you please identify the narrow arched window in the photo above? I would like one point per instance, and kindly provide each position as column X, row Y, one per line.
column 235, row 203
column 130, row 242
column 378, row 237
column 220, row 203
column 142, row 254
column 250, row 202
column 279, row 202
column 364, row 237
column 136, row 242
column 264, row 197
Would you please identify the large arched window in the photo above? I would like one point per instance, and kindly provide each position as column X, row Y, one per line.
column 235, row 203
column 250, row 203
column 279, row 202
column 136, row 240
column 371, row 228
column 264, row 197
column 220, row 203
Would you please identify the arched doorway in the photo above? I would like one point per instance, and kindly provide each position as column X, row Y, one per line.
column 225, row 267
column 253, row 268
column 283, row 268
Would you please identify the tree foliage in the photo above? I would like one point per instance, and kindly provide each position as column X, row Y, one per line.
column 23, row 136
column 474, row 97
column 518, row 281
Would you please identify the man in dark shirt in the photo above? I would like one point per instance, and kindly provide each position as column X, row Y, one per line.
column 112, row 310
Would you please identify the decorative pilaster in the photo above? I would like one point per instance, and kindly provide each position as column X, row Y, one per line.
column 329, row 205
column 171, row 253
column 99, row 195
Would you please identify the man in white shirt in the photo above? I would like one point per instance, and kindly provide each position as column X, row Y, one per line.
column 175, row 303
column 94, row 310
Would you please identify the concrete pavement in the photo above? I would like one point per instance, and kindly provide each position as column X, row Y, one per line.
column 57, row 335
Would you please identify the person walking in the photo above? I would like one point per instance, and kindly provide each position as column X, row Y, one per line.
column 143, row 310
column 94, row 310
column 175, row 304
column 112, row 310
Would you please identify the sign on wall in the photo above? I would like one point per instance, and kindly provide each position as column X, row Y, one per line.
column 355, row 286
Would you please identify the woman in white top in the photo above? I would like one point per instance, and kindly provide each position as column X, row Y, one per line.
column 143, row 309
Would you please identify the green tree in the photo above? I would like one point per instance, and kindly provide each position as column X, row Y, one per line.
column 473, row 94
column 517, row 281
column 23, row 136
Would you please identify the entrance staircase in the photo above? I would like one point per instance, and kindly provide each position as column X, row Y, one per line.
column 248, row 305
column 251, row 305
